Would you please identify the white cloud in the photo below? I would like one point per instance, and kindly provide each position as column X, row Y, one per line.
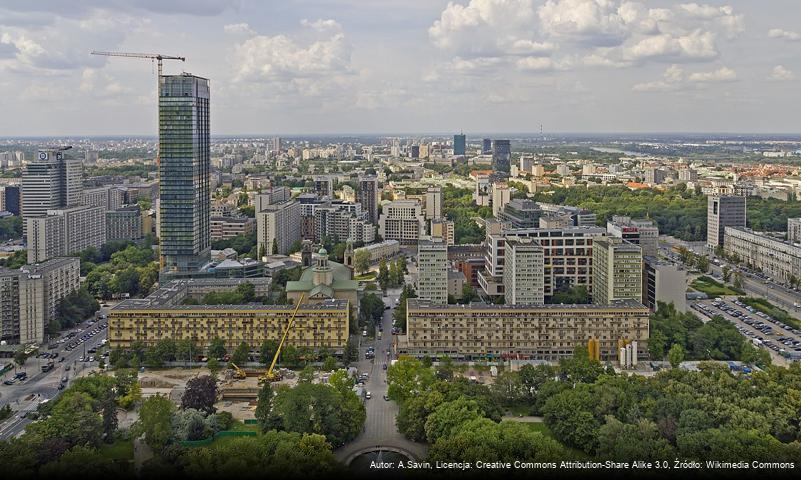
column 239, row 28
column 780, row 73
column 676, row 79
column 536, row 64
column 723, row 74
column 597, row 22
column 784, row 34
column 321, row 24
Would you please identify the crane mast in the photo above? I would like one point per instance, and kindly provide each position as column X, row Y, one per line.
column 270, row 375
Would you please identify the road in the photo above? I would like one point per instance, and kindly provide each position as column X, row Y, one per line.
column 380, row 429
column 26, row 396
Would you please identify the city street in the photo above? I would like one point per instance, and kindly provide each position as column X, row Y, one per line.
column 380, row 429
column 25, row 396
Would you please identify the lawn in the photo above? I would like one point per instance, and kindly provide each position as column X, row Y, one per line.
column 713, row 288
column 366, row 276
column 768, row 308
column 119, row 450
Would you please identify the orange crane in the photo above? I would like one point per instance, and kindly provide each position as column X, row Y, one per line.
column 270, row 375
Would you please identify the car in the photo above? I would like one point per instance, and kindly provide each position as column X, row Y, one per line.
column 10, row 381
column 67, row 368
column 61, row 386
column 368, row 395
column 386, row 397
column 61, row 360
column 385, row 366
column 364, row 333
column 64, row 379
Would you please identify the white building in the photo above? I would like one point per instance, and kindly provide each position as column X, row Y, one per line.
column 432, row 270
column 524, row 274
column 278, row 227
column 402, row 220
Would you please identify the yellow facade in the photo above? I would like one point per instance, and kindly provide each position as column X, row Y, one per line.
column 322, row 325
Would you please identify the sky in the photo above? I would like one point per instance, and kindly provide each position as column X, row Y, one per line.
column 406, row 66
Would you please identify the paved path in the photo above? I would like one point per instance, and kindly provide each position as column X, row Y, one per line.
column 380, row 429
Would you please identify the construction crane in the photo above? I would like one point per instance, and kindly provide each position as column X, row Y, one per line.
column 270, row 375
column 152, row 56
column 239, row 374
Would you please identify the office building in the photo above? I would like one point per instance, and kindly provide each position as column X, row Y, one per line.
column 367, row 196
column 278, row 227
column 501, row 157
column 402, row 220
column 10, row 198
column 536, row 332
column 324, row 186
column 432, row 270
column 110, row 198
column 723, row 211
column 482, row 195
column 486, row 146
column 655, row 176
column 524, row 272
column 640, row 232
column 663, row 282
column 522, row 213
column 184, row 182
column 501, row 195
column 340, row 224
column 793, row 229
column 50, row 181
column 688, row 175
column 568, row 254
column 459, row 144
column 223, row 228
column 272, row 196
column 616, row 271
column 444, row 229
column 775, row 258
column 30, row 298
column 124, row 224
column 433, row 203
column 65, row 232
column 163, row 316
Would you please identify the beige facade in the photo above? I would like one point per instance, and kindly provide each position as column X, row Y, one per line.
column 432, row 270
column 402, row 220
column 229, row 227
column 278, row 227
column 444, row 229
column 775, row 258
column 524, row 274
column 616, row 271
column 548, row 332
column 65, row 231
column 385, row 250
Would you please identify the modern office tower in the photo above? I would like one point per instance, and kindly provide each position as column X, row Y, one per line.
column 432, row 270
column 793, row 229
column 459, row 144
column 523, row 273
column 324, row 186
column 563, row 170
column 367, row 196
column 542, row 332
column 501, row 195
column 483, row 192
column 278, row 227
column 444, row 229
column 223, row 228
column 723, row 211
column 688, row 175
column 31, row 295
column 501, row 156
column 50, row 181
column 271, row 197
column 568, row 256
column 65, row 231
column 433, row 203
column 663, row 282
column 414, row 151
column 522, row 213
column 775, row 258
column 616, row 271
column 9, row 196
column 486, row 146
column 402, row 220
column 655, row 176
column 640, row 232
column 184, row 186
column 124, row 223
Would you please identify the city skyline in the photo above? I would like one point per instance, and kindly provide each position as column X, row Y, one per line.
column 571, row 65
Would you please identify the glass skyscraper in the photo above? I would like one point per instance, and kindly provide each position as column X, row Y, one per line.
column 459, row 144
column 184, row 190
column 501, row 156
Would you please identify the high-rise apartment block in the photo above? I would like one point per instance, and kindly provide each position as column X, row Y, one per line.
column 501, row 195
column 110, row 198
column 524, row 274
column 616, row 271
column 402, row 220
column 433, row 203
column 65, row 231
column 324, row 186
column 30, row 298
column 793, row 230
column 432, row 270
column 271, row 197
column 459, row 144
column 184, row 184
column 444, row 229
column 124, row 224
column 663, row 282
column 278, row 227
column 723, row 211
column 367, row 196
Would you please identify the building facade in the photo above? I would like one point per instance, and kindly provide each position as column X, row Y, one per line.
column 616, row 271
column 640, row 232
column 65, row 231
column 501, row 157
column 278, row 227
column 367, row 196
column 793, row 230
column 663, row 282
column 432, row 270
column 184, row 181
column 386, row 250
column 774, row 257
column 402, row 220
column 524, row 272
column 723, row 211
column 545, row 332
column 124, row 224
column 229, row 227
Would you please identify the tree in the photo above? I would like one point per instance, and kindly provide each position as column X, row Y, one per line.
column 190, row 424
column 241, row 353
column 267, row 351
column 214, row 366
column 702, row 263
column 468, row 294
column 726, row 273
column 264, row 405
column 109, row 407
column 247, row 290
column 383, row 274
column 200, row 394
column 625, row 442
column 361, row 261
column 155, row 421
column 329, row 364
column 407, row 378
column 738, row 280
column 20, row 356
column 676, row 355
column 449, row 416
column 217, row 348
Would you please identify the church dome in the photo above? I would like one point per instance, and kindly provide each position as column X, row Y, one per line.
column 322, row 251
